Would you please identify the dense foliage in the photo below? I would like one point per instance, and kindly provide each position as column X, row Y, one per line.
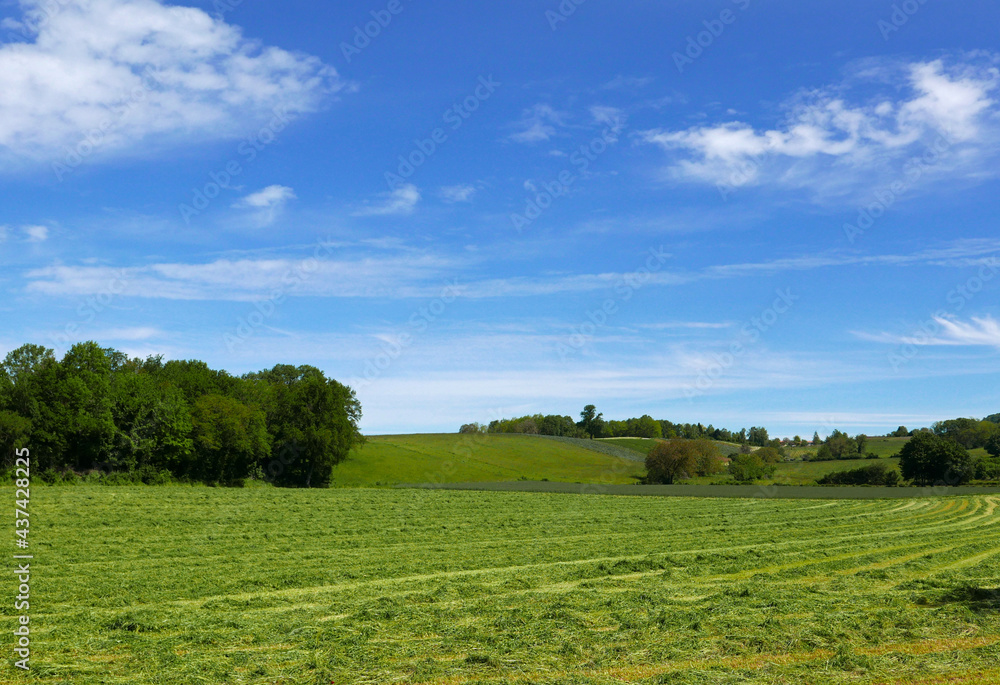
column 876, row 474
column 673, row 460
column 96, row 409
column 930, row 459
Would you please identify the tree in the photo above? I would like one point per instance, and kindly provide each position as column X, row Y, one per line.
column 930, row 459
column 670, row 461
column 646, row 427
column 758, row 437
column 590, row 420
column 769, row 455
column 862, row 440
column 313, row 424
column 816, row 438
column 472, row 428
column 900, row 432
column 746, row 468
column 231, row 438
column 969, row 433
column 707, row 458
column 993, row 445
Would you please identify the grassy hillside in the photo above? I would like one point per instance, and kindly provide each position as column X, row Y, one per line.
column 644, row 445
column 387, row 460
column 146, row 586
column 883, row 447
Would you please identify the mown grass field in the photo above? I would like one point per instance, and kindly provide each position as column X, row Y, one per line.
column 392, row 459
column 198, row 585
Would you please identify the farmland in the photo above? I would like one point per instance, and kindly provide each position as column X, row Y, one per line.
column 444, row 458
column 185, row 585
column 391, row 459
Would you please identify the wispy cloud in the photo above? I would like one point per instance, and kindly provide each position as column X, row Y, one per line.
column 538, row 124
column 402, row 200
column 36, row 234
column 828, row 142
column 418, row 274
column 138, row 71
column 267, row 203
column 977, row 332
column 460, row 193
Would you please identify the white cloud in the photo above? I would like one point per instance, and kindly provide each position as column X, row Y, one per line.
column 941, row 331
column 460, row 193
column 3, row 233
column 417, row 274
column 125, row 72
column 411, row 275
column 826, row 139
column 537, row 124
column 627, row 82
column 36, row 234
column 267, row 203
column 610, row 117
column 402, row 200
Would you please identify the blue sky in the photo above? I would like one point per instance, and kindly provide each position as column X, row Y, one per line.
column 732, row 212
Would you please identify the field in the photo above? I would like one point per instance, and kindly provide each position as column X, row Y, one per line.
column 387, row 460
column 197, row 585
column 883, row 447
column 644, row 445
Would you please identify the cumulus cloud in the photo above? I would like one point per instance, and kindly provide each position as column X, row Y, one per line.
column 266, row 203
column 117, row 73
column 537, row 124
column 460, row 193
column 826, row 138
column 402, row 200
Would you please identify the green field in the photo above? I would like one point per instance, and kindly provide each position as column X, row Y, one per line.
column 883, row 447
column 196, row 585
column 644, row 445
column 392, row 459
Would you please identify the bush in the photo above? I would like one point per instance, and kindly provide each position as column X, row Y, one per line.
column 872, row 455
column 876, row 474
column 746, row 468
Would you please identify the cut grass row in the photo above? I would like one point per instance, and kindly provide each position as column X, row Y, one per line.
column 176, row 585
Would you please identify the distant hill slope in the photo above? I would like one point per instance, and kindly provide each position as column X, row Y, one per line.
column 644, row 445
column 444, row 458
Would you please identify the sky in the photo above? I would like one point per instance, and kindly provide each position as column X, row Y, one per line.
column 729, row 211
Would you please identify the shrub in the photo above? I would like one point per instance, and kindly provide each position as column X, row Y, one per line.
column 876, row 474
column 746, row 468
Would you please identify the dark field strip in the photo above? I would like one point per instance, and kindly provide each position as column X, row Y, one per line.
column 738, row 491
column 178, row 585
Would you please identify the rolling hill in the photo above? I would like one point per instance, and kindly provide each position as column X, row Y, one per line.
column 444, row 458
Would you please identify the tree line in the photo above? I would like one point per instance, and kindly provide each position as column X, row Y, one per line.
column 593, row 425
column 99, row 412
